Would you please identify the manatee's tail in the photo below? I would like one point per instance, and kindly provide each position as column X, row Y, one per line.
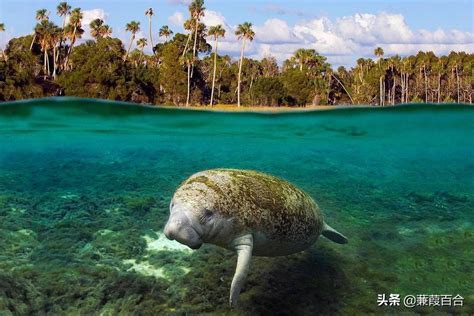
column 332, row 234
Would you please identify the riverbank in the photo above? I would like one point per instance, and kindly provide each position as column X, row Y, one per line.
column 235, row 108
column 280, row 109
column 225, row 107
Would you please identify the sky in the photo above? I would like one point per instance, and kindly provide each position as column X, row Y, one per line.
column 341, row 30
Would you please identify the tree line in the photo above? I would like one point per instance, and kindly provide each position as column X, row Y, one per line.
column 187, row 69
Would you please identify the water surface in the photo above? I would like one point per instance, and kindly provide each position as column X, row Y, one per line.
column 85, row 188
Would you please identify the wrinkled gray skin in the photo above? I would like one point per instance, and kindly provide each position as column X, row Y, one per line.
column 219, row 207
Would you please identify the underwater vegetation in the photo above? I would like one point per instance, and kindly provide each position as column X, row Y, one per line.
column 82, row 211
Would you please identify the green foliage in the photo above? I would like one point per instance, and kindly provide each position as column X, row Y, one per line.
column 268, row 91
column 174, row 78
column 299, row 87
column 99, row 72
column 17, row 80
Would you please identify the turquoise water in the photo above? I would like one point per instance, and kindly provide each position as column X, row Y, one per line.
column 85, row 188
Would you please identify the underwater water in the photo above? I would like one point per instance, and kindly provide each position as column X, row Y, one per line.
column 85, row 188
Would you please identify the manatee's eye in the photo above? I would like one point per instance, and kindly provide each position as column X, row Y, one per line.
column 206, row 216
column 208, row 213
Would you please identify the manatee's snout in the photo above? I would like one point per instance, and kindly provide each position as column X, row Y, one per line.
column 180, row 228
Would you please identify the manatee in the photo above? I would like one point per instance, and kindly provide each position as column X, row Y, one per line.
column 249, row 212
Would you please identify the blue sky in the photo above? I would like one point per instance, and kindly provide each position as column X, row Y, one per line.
column 341, row 29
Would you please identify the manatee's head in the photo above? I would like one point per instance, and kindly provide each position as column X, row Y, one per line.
column 196, row 216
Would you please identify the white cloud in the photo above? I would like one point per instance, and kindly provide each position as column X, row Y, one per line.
column 229, row 47
column 345, row 39
column 89, row 15
column 320, row 35
column 229, row 44
column 368, row 29
column 444, row 37
column 213, row 18
column 275, row 31
column 265, row 50
column 177, row 19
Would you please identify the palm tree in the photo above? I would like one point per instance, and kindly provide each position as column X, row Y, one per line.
column 454, row 64
column 63, row 9
column 73, row 33
column 303, row 56
column 196, row 8
column 141, row 43
column 48, row 33
column 215, row 31
column 187, row 60
column 39, row 31
column 56, row 37
column 403, row 79
column 95, row 27
column 244, row 32
column 134, row 28
column 99, row 29
column 329, row 73
column 410, row 63
column 188, row 26
column 41, row 15
column 439, row 68
column 421, row 60
column 393, row 63
column 378, row 52
column 106, row 31
column 149, row 13
column 74, row 28
column 165, row 32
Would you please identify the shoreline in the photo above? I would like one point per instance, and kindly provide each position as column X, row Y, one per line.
column 228, row 107
column 257, row 108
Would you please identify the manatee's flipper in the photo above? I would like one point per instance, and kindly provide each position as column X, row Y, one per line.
column 243, row 247
column 332, row 234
